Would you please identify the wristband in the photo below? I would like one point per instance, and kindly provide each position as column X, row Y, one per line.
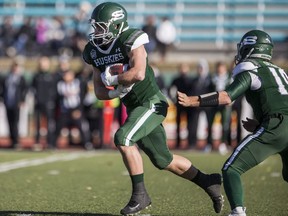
column 113, row 94
column 209, row 100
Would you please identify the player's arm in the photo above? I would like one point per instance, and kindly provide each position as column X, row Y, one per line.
column 238, row 87
column 205, row 100
column 137, row 69
column 137, row 65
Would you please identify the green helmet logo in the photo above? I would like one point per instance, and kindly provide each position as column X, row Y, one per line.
column 108, row 20
column 254, row 44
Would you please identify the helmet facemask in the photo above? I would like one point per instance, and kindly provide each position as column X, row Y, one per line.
column 101, row 35
column 243, row 50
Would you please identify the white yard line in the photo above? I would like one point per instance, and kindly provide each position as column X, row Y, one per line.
column 7, row 166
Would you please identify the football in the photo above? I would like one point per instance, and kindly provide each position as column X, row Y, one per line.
column 116, row 69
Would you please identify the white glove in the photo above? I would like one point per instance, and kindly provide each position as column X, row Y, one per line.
column 124, row 90
column 120, row 91
column 108, row 79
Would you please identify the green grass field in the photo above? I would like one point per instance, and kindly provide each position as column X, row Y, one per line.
column 96, row 183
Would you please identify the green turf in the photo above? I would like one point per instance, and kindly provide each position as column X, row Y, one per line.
column 99, row 185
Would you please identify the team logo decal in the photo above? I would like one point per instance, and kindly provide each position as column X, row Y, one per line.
column 117, row 15
column 93, row 54
column 250, row 40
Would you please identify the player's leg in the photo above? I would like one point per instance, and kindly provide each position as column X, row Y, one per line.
column 210, row 183
column 132, row 159
column 253, row 149
column 242, row 159
column 133, row 162
column 140, row 122
column 284, row 153
column 154, row 145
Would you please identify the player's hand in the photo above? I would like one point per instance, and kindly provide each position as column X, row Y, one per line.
column 124, row 90
column 108, row 79
column 120, row 91
column 187, row 101
column 250, row 124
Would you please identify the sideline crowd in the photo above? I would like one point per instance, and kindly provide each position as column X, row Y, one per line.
column 65, row 105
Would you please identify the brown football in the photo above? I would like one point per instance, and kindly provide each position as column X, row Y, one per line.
column 116, row 69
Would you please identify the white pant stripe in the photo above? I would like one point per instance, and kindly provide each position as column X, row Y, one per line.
column 238, row 149
column 138, row 125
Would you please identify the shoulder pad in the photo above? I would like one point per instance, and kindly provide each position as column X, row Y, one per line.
column 244, row 66
column 133, row 34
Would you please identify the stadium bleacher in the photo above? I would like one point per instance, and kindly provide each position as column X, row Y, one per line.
column 215, row 23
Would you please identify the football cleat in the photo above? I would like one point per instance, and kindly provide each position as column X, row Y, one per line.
column 238, row 211
column 137, row 203
column 214, row 191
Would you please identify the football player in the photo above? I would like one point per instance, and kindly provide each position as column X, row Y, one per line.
column 265, row 86
column 113, row 41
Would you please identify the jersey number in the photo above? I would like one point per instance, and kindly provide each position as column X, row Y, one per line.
column 278, row 74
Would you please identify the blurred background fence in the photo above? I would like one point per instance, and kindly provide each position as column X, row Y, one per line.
column 202, row 25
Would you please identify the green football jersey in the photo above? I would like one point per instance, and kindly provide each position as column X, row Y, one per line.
column 118, row 53
column 265, row 86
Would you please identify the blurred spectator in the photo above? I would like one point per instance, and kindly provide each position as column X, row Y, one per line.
column 159, row 79
column 25, row 37
column 150, row 28
column 7, row 37
column 56, row 34
column 41, row 28
column 81, row 18
column 14, row 92
column 221, row 79
column 182, row 82
column 71, row 110
column 84, row 75
column 63, row 66
column 44, row 88
column 81, row 29
column 93, row 111
column 166, row 36
column 201, row 84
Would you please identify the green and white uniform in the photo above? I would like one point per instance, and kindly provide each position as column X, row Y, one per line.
column 146, row 105
column 266, row 89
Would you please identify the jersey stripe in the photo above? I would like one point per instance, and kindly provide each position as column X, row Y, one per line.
column 138, row 125
column 133, row 37
column 239, row 148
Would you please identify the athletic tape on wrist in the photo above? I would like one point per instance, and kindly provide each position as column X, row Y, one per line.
column 209, row 100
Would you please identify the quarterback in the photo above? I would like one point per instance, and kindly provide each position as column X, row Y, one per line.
column 265, row 86
column 114, row 42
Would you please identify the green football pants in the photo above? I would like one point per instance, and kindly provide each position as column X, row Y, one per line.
column 269, row 139
column 144, row 127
